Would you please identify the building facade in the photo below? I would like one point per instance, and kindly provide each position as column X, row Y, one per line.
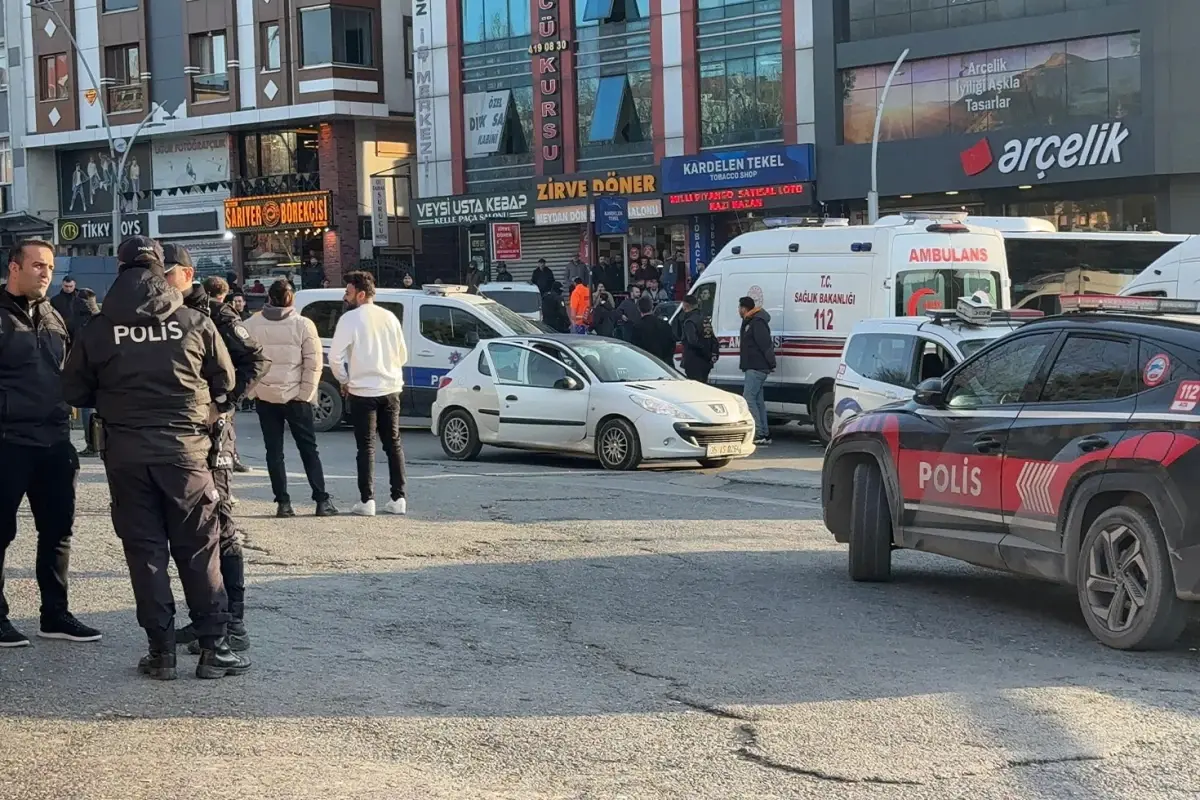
column 263, row 134
column 1074, row 110
column 616, row 128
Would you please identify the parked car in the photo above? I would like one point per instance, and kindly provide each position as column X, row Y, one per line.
column 586, row 395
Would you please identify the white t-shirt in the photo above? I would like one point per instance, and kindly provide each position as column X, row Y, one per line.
column 368, row 353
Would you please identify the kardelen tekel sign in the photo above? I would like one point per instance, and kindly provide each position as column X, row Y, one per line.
column 277, row 212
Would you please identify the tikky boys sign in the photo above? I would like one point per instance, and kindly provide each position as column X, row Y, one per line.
column 553, row 74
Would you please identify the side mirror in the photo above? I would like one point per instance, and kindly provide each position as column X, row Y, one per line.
column 568, row 383
column 930, row 392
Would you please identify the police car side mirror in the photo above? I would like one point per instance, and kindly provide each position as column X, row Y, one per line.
column 930, row 392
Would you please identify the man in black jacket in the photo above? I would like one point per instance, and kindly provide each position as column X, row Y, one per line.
column 652, row 333
column 542, row 277
column 249, row 366
column 757, row 361
column 700, row 347
column 69, row 304
column 36, row 455
column 159, row 377
column 554, row 313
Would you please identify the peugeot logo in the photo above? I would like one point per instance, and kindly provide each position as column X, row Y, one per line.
column 718, row 408
column 68, row 231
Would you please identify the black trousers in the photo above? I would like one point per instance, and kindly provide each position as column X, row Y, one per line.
column 164, row 511
column 298, row 416
column 233, row 565
column 47, row 476
column 697, row 371
column 382, row 414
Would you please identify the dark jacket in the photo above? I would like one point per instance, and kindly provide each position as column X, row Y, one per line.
column 653, row 335
column 33, row 347
column 250, row 364
column 627, row 316
column 599, row 277
column 757, row 347
column 554, row 313
column 542, row 278
column 699, row 350
column 151, row 368
column 604, row 319
column 72, row 308
column 89, row 309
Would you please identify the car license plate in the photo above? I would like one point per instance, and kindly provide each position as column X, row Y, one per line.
column 724, row 449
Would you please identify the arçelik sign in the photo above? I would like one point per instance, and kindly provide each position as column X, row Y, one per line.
column 1099, row 144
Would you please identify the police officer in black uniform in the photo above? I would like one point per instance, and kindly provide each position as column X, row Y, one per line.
column 159, row 376
column 249, row 366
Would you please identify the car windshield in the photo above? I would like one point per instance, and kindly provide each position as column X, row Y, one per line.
column 512, row 320
column 617, row 362
column 969, row 347
column 520, row 302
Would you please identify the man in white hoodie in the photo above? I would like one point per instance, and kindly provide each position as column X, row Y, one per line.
column 367, row 357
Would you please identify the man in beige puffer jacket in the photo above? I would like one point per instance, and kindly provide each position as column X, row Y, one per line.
column 286, row 394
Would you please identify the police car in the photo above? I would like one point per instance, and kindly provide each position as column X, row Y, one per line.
column 885, row 359
column 1068, row 450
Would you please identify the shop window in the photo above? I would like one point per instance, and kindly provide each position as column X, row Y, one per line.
column 271, row 55
column 615, row 118
column 1038, row 85
column 409, row 48
column 336, row 35
column 210, row 75
column 122, row 64
column 54, row 78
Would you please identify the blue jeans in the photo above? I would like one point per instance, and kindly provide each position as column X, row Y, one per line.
column 85, row 420
column 752, row 390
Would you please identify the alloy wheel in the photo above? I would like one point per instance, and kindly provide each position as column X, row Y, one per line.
column 614, row 445
column 456, row 435
column 323, row 407
column 1118, row 581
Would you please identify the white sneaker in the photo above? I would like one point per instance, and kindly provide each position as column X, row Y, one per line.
column 396, row 507
column 366, row 509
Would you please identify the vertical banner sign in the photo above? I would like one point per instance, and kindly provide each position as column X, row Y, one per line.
column 506, row 241
column 423, row 88
column 379, row 212
column 586, row 235
column 548, row 53
column 699, row 244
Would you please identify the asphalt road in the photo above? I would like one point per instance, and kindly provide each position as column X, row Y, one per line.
column 539, row 629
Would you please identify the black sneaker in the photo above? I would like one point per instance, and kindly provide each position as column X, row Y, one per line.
column 67, row 627
column 239, row 639
column 10, row 636
column 326, row 508
column 88, row 452
column 159, row 665
column 220, row 661
column 285, row 510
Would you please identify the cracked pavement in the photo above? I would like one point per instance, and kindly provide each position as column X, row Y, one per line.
column 539, row 629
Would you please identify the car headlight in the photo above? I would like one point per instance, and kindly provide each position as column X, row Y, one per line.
column 656, row 406
column 742, row 405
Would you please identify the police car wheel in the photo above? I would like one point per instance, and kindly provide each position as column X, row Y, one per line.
column 459, row 436
column 1125, row 583
column 328, row 409
column 870, row 527
column 617, row 445
column 823, row 417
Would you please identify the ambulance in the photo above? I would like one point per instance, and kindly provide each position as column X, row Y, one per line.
column 817, row 282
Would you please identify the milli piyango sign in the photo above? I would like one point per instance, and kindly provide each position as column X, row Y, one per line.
column 276, row 212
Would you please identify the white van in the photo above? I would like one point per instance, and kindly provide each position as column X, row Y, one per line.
column 817, row 283
column 523, row 298
column 442, row 324
column 1176, row 273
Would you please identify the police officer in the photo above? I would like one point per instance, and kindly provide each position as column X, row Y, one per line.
column 249, row 365
column 159, row 376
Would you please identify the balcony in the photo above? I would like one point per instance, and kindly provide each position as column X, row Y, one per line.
column 276, row 184
column 210, row 88
column 125, row 99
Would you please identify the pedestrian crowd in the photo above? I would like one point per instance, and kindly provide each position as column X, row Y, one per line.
column 157, row 372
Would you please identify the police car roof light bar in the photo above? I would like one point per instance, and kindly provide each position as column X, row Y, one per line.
column 443, row 289
column 935, row 216
column 1007, row 316
column 1082, row 303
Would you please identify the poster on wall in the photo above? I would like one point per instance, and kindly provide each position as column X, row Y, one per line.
column 87, row 181
column 191, row 161
column 211, row 256
column 485, row 115
column 506, row 241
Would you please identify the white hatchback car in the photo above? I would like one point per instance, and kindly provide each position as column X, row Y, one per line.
column 586, row 395
column 885, row 359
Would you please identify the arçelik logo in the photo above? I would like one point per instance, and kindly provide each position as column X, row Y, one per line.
column 976, row 158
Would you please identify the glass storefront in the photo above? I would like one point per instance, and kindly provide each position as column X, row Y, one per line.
column 268, row 256
column 871, row 19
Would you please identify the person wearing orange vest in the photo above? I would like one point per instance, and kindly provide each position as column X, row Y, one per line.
column 581, row 307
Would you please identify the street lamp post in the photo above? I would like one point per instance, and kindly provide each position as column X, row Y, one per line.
column 49, row 6
column 873, row 195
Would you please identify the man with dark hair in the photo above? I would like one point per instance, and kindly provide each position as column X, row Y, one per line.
column 542, row 277
column 700, row 346
column 249, row 365
column 86, row 415
column 238, row 304
column 225, row 318
column 38, row 459
column 757, row 361
column 69, row 305
column 652, row 333
column 158, row 376
column 284, row 397
column 214, row 285
column 367, row 357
